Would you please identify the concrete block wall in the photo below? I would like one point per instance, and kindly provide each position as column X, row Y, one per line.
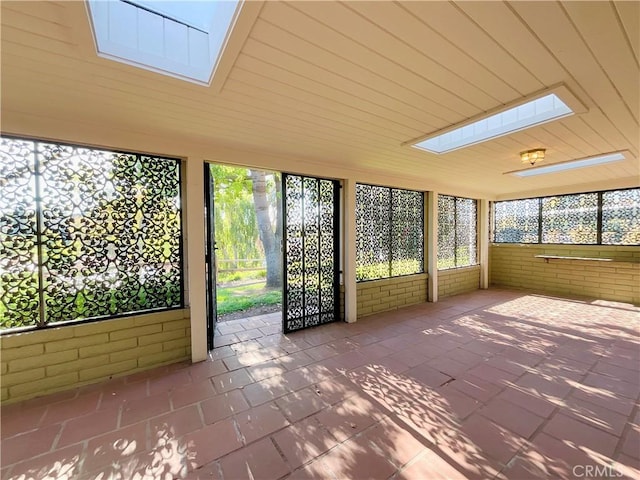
column 515, row 265
column 390, row 293
column 455, row 281
column 39, row 362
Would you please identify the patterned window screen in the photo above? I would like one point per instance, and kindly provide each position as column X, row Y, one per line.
column 389, row 232
column 457, row 232
column 86, row 233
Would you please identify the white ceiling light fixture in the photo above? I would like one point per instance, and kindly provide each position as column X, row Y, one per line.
column 571, row 164
column 182, row 39
column 537, row 109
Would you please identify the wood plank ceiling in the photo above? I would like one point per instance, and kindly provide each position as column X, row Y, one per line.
column 346, row 83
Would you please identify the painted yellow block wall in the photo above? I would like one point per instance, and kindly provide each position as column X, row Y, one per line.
column 515, row 265
column 455, row 281
column 44, row 361
column 390, row 293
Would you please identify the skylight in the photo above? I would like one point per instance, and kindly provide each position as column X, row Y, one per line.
column 183, row 39
column 519, row 117
column 572, row 164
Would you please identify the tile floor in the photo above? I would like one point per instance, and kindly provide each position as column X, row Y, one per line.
column 493, row 384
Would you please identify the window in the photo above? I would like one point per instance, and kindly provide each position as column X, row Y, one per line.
column 520, row 115
column 389, row 232
column 86, row 233
column 181, row 39
column 457, row 232
column 607, row 218
column 570, row 219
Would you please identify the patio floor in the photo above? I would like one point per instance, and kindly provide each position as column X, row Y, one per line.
column 493, row 384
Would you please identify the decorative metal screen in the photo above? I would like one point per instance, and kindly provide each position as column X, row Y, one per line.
column 570, row 219
column 310, row 252
column 607, row 218
column 457, row 232
column 389, row 232
column 373, row 232
column 517, row 221
column 621, row 217
column 86, row 233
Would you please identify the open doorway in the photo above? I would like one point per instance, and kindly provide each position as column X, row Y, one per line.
column 244, row 244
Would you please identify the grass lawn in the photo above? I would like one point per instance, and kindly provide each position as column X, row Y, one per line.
column 243, row 297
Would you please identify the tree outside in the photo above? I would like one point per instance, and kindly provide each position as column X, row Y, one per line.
column 248, row 235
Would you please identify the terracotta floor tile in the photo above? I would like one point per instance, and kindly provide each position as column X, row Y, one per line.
column 88, row 426
column 301, row 404
column 260, row 421
column 178, row 423
column 524, row 398
column 222, row 406
column 26, row 445
column 59, row 464
column 16, row 418
column 459, row 405
column 631, row 442
column 260, row 460
column 266, row 390
column 598, row 397
column 595, row 415
column 493, row 440
column 231, row 380
column 115, row 447
column 266, row 370
column 565, row 428
column 173, row 381
column 348, row 418
column 476, row 388
column 614, row 386
column 303, row 441
column 296, row 360
column 59, row 412
column 211, row 442
column 115, row 395
column 192, row 393
column 397, row 445
column 433, row 467
column 428, row 376
column 358, row 459
column 556, row 458
column 627, row 468
column 513, row 417
column 507, row 360
column 144, row 408
column 206, row 369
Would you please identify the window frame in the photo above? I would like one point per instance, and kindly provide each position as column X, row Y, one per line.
column 599, row 220
column 455, row 230
column 391, row 238
column 42, row 323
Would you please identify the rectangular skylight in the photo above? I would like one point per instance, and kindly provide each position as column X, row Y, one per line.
column 183, row 39
column 572, row 164
column 515, row 118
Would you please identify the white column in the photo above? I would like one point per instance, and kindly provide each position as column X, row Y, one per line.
column 349, row 272
column 195, row 243
column 431, row 208
column 483, row 242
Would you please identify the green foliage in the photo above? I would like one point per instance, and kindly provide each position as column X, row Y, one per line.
column 236, row 227
column 235, row 299
column 375, row 271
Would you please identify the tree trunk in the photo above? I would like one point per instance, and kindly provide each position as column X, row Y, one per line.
column 268, row 237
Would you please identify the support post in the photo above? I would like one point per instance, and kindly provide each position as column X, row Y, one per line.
column 349, row 273
column 483, row 242
column 195, row 255
column 431, row 226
